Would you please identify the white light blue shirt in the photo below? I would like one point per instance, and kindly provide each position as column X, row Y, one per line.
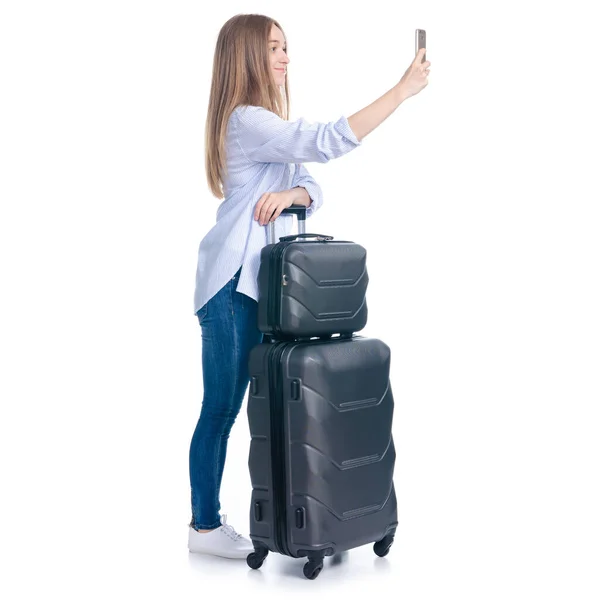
column 264, row 153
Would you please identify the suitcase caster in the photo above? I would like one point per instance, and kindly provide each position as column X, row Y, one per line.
column 255, row 559
column 312, row 568
column 382, row 547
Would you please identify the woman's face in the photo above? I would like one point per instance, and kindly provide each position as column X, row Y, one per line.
column 278, row 55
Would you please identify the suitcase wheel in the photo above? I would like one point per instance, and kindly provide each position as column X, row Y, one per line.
column 255, row 559
column 312, row 568
column 382, row 547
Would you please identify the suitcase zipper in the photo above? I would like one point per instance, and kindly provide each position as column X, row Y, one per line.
column 278, row 448
column 276, row 280
column 274, row 306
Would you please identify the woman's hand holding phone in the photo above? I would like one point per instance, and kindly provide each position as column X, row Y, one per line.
column 415, row 77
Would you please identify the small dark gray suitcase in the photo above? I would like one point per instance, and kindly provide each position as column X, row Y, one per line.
column 311, row 288
column 321, row 454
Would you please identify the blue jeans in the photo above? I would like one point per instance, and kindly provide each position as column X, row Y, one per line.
column 229, row 331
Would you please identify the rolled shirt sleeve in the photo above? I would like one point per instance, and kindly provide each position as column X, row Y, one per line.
column 265, row 137
column 302, row 178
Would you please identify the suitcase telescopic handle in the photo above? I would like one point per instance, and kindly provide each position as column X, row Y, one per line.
column 295, row 209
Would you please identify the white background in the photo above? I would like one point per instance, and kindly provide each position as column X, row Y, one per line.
column 477, row 201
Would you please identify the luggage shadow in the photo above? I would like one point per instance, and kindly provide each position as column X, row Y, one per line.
column 338, row 558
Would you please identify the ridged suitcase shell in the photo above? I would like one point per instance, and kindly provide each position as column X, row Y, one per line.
column 309, row 289
column 322, row 454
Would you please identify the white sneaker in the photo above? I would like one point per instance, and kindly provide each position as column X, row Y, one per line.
column 223, row 541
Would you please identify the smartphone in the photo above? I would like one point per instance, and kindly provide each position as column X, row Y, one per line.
column 420, row 42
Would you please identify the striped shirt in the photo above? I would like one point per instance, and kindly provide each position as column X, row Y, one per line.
column 264, row 153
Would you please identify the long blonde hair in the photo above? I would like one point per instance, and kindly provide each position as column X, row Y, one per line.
column 241, row 76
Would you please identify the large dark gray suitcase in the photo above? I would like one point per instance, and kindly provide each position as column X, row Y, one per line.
column 311, row 285
column 321, row 454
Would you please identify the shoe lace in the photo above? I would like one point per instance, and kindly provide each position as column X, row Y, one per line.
column 229, row 530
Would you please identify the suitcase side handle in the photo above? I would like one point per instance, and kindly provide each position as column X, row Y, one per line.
column 295, row 209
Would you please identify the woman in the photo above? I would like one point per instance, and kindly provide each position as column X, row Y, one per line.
column 254, row 161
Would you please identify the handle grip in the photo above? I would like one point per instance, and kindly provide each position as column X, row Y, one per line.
column 295, row 209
